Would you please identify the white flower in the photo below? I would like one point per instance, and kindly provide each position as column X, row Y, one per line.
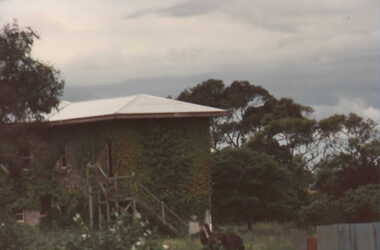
column 76, row 217
column 85, row 236
column 137, row 215
column 142, row 240
column 138, row 243
column 164, row 246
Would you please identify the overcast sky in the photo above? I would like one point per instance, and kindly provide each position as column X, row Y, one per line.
column 323, row 53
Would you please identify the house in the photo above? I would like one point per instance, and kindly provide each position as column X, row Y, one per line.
column 163, row 143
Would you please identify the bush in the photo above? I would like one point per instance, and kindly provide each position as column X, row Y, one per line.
column 124, row 233
column 358, row 205
column 362, row 204
column 14, row 236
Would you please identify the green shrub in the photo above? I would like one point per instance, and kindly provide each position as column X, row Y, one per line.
column 358, row 205
column 14, row 236
column 125, row 232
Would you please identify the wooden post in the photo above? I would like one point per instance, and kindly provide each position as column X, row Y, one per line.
column 100, row 216
column 90, row 207
column 108, row 211
column 133, row 207
column 90, row 198
column 163, row 212
column 117, row 193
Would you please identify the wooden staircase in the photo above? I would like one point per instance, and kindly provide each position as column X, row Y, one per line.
column 137, row 198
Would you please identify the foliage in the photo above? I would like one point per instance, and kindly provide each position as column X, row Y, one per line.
column 348, row 172
column 124, row 232
column 170, row 169
column 167, row 164
column 253, row 184
column 208, row 93
column 14, row 236
column 362, row 204
column 264, row 236
column 358, row 205
column 170, row 157
column 322, row 210
column 268, row 134
column 7, row 194
column 284, row 132
column 352, row 160
column 237, row 98
column 349, row 136
column 28, row 88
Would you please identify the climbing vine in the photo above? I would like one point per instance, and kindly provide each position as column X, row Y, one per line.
column 169, row 156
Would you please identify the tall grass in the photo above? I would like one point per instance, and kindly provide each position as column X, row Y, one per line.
column 264, row 236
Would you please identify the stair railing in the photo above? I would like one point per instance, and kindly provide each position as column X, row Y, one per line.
column 162, row 209
column 142, row 194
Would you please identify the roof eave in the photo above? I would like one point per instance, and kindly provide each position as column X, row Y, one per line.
column 136, row 116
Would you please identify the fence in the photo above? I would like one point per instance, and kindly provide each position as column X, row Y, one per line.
column 349, row 237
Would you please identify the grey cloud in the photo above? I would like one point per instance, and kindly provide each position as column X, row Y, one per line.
column 348, row 76
column 345, row 106
column 325, row 69
column 291, row 16
column 286, row 16
column 185, row 9
column 192, row 8
column 160, row 86
column 310, row 82
column 322, row 78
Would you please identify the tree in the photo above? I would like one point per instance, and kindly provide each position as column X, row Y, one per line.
column 28, row 87
column 282, row 129
column 241, row 96
column 261, row 147
column 209, row 93
column 348, row 172
column 251, row 186
column 237, row 98
column 351, row 154
column 360, row 205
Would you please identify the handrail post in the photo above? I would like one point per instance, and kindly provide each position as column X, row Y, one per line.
column 100, row 219
column 108, row 211
column 163, row 212
column 90, row 198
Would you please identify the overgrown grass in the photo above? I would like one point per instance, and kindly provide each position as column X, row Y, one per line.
column 264, row 236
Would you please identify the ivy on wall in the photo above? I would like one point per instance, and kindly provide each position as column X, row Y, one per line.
column 169, row 156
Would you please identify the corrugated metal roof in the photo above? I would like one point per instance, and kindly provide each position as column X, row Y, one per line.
column 136, row 106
